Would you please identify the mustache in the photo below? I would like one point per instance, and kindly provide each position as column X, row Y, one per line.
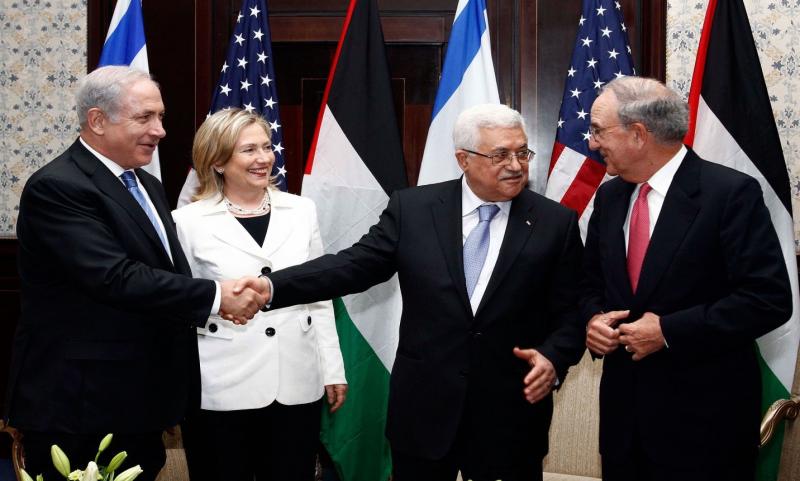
column 511, row 175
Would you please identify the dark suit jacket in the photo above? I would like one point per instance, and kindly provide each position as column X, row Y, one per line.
column 105, row 342
column 715, row 274
column 448, row 361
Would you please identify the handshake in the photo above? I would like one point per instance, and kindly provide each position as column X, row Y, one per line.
column 243, row 298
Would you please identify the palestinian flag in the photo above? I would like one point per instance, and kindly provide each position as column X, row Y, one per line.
column 731, row 122
column 355, row 163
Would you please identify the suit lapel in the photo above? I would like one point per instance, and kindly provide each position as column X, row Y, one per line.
column 113, row 188
column 156, row 192
column 228, row 230
column 676, row 217
column 281, row 225
column 521, row 221
column 619, row 201
column 447, row 223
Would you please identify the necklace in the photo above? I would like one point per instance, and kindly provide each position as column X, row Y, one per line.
column 262, row 209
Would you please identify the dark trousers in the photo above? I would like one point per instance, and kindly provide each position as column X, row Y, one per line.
column 638, row 467
column 145, row 449
column 274, row 443
column 477, row 457
column 412, row 468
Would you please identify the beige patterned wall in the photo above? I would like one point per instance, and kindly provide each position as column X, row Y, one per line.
column 776, row 30
column 42, row 55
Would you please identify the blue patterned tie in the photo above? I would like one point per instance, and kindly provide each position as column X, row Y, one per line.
column 129, row 179
column 477, row 245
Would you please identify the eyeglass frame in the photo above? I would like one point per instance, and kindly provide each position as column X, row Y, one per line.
column 597, row 132
column 506, row 158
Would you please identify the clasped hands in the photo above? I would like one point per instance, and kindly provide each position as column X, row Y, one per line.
column 641, row 337
column 243, row 298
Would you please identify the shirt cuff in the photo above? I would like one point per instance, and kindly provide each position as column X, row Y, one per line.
column 217, row 299
column 271, row 292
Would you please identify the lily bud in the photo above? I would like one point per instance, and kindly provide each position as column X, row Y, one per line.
column 105, row 442
column 129, row 474
column 60, row 460
column 25, row 475
column 116, row 462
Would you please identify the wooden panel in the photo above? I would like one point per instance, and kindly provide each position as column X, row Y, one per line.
column 328, row 29
column 654, row 39
column 415, row 131
column 297, row 7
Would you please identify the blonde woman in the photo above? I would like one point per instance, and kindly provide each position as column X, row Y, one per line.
column 262, row 382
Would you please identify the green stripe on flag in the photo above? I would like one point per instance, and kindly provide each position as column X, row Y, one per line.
column 769, row 456
column 355, row 434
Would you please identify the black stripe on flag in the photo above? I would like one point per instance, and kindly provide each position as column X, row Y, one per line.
column 360, row 98
column 734, row 89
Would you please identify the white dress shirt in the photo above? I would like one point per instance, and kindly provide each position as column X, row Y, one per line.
column 660, row 182
column 497, row 230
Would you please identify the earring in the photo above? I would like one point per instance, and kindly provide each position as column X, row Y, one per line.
column 219, row 170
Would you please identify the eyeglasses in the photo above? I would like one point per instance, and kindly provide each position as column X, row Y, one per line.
column 597, row 132
column 504, row 158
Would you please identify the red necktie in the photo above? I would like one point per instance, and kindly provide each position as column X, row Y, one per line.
column 638, row 235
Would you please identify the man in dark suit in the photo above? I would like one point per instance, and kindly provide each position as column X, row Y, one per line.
column 488, row 273
column 683, row 271
column 106, row 340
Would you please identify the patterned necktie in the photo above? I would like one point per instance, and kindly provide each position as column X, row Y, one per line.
column 477, row 246
column 129, row 179
column 638, row 235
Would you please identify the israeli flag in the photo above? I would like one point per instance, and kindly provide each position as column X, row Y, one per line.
column 125, row 45
column 467, row 79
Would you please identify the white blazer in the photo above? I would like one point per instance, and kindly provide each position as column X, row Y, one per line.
column 244, row 367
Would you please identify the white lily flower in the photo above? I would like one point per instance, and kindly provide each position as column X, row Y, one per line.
column 91, row 473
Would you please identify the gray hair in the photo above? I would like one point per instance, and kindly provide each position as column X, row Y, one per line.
column 466, row 132
column 653, row 104
column 104, row 88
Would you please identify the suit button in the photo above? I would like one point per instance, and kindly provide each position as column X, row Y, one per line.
column 309, row 320
column 270, row 331
column 212, row 327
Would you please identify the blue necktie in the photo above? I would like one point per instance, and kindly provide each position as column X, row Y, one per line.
column 129, row 179
column 477, row 246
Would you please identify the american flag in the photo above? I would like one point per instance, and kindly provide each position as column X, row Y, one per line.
column 247, row 79
column 601, row 53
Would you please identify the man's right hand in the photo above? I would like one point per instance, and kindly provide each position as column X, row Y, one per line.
column 602, row 337
column 259, row 284
column 241, row 299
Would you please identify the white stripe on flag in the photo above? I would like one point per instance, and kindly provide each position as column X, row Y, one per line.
column 140, row 60
column 340, row 178
column 564, row 172
column 120, row 9
column 478, row 86
column 583, row 221
column 713, row 142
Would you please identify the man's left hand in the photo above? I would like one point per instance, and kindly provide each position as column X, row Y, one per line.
column 542, row 376
column 643, row 336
